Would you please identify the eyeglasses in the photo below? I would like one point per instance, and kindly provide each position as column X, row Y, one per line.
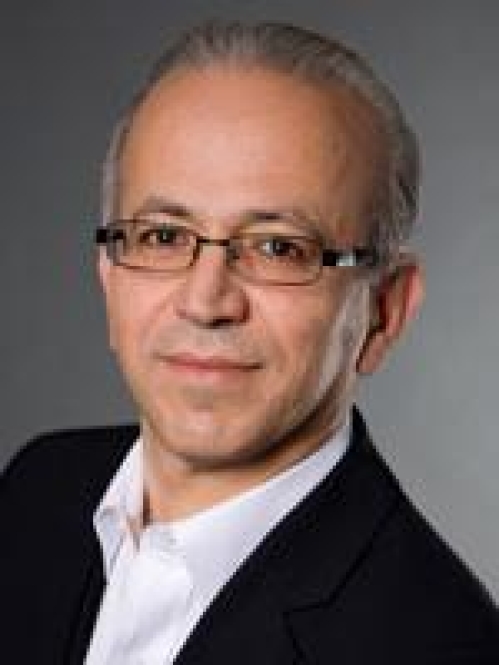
column 265, row 256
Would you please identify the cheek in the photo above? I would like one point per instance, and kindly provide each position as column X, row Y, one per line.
column 346, row 337
column 320, row 341
column 320, row 356
column 131, row 308
column 303, row 333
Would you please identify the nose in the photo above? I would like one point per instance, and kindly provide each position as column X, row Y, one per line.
column 209, row 295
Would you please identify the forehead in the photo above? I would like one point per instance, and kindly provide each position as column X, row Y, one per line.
column 224, row 138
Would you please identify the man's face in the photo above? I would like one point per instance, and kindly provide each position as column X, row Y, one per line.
column 225, row 371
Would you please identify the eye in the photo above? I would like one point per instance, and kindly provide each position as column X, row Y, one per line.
column 164, row 235
column 284, row 248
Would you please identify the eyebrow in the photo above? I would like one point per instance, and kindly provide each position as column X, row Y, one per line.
column 158, row 204
column 292, row 214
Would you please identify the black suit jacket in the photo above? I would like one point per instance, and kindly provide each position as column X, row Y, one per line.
column 353, row 575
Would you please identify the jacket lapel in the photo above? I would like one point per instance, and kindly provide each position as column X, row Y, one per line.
column 263, row 614
column 86, row 581
column 86, row 607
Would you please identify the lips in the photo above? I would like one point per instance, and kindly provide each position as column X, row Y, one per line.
column 214, row 364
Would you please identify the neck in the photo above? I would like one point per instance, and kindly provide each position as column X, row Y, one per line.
column 177, row 486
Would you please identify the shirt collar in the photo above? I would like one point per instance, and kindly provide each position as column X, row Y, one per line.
column 119, row 513
column 231, row 530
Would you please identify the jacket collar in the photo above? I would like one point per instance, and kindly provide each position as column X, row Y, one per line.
column 87, row 571
column 301, row 564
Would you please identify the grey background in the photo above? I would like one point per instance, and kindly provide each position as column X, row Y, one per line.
column 67, row 67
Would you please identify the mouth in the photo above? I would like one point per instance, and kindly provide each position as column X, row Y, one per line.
column 198, row 365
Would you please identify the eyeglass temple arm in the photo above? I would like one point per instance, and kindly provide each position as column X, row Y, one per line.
column 103, row 235
column 358, row 256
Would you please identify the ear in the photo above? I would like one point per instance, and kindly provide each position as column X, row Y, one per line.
column 104, row 273
column 103, row 270
column 396, row 300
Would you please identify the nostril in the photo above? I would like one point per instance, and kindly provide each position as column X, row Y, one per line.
column 221, row 322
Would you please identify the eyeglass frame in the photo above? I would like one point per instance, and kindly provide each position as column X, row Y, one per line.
column 357, row 256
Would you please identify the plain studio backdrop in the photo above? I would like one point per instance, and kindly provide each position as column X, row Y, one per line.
column 67, row 68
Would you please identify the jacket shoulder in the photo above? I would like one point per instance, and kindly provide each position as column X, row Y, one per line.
column 67, row 463
column 407, row 588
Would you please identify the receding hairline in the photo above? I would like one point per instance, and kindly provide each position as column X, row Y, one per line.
column 304, row 55
column 337, row 92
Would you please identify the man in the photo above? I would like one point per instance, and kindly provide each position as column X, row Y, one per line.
column 258, row 194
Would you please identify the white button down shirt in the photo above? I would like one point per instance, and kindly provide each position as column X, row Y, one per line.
column 162, row 577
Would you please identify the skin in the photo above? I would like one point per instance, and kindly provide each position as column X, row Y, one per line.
column 236, row 381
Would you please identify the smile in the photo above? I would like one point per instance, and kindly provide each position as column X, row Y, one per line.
column 209, row 365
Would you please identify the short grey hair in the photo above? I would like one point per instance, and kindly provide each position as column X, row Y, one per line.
column 316, row 59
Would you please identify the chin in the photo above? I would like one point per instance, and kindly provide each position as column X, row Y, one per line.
column 199, row 439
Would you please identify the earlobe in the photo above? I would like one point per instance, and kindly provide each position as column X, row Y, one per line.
column 396, row 302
